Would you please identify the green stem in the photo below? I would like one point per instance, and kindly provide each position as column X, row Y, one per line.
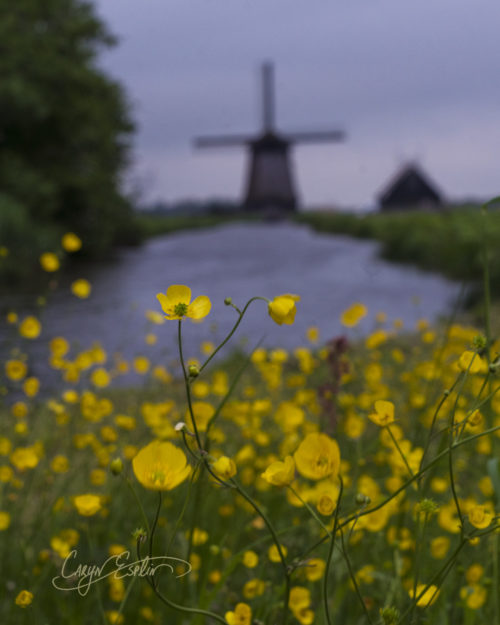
column 394, row 440
column 187, row 383
column 141, row 507
column 313, row 513
column 273, row 533
column 176, row 606
column 241, row 314
column 353, row 577
column 330, row 553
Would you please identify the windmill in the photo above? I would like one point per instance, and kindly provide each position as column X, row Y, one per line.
column 270, row 182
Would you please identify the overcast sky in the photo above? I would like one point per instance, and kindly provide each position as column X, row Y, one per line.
column 407, row 80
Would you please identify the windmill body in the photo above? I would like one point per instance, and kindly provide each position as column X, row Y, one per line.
column 270, row 184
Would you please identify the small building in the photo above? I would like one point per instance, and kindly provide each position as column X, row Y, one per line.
column 410, row 188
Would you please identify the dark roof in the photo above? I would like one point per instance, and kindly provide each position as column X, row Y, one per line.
column 409, row 187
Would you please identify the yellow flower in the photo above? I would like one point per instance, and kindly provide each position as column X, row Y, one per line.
column 376, row 339
column 25, row 458
column 428, row 597
column 480, row 517
column 242, row 615
column 440, row 547
column 474, row 596
column 100, row 377
column 312, row 334
column 31, row 387
column 160, row 466
column 59, row 346
column 315, row 569
column 59, row 464
column 176, row 304
column 317, row 456
column 71, row 242
column 326, row 504
column 273, row 553
column 81, row 288
column 254, row 588
column 87, row 505
column 49, row 262
column 224, row 467
column 282, row 308
column 15, row 369
column 300, row 598
column 141, row 364
column 471, row 362
column 384, row 413
column 30, row 328
column 474, row 573
column 353, row 315
column 4, row 520
column 250, row 559
column 280, row 473
column 24, row 598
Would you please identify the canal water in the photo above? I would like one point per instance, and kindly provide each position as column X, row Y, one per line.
column 241, row 260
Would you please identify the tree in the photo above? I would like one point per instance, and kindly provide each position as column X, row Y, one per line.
column 64, row 128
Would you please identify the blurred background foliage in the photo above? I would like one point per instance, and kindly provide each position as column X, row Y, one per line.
column 65, row 132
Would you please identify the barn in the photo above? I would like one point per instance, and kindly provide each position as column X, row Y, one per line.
column 410, row 188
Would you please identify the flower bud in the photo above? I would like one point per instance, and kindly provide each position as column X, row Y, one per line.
column 362, row 499
column 193, row 371
column 116, row 466
column 228, row 301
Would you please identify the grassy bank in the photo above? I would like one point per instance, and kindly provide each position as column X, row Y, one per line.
column 451, row 242
column 153, row 225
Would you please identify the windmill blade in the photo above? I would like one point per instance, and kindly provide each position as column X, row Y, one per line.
column 316, row 136
column 267, row 97
column 221, row 141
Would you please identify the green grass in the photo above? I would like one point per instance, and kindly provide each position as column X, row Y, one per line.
column 153, row 225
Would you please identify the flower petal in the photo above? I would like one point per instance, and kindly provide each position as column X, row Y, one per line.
column 200, row 307
column 179, row 294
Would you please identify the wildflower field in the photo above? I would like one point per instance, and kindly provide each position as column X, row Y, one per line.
column 353, row 480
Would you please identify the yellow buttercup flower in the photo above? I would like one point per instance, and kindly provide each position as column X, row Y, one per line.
column 81, row 288
column 177, row 304
column 299, row 599
column 317, row 456
column 280, row 473
column 49, row 262
column 473, row 595
column 428, row 597
column 480, row 517
column 87, row 505
column 242, row 615
column 15, row 369
column 274, row 555
column 250, row 559
column 160, row 466
column 224, row 467
column 71, row 242
column 24, row 598
column 25, row 457
column 384, row 413
column 282, row 308
column 30, row 328
column 4, row 520
column 471, row 362
column 315, row 569
column 353, row 315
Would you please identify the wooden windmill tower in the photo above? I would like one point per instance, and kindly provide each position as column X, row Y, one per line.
column 270, row 184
